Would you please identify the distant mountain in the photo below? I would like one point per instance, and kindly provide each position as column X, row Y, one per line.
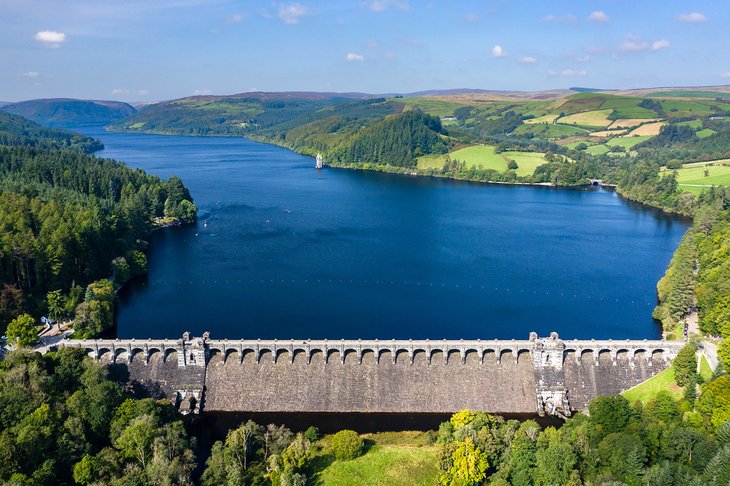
column 63, row 112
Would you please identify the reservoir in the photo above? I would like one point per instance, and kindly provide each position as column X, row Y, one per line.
column 282, row 250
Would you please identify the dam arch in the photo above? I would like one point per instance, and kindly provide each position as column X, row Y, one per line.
column 537, row 375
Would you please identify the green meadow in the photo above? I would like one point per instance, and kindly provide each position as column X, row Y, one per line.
column 692, row 178
column 487, row 157
column 403, row 458
column 644, row 392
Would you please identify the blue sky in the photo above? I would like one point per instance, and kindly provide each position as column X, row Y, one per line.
column 138, row 50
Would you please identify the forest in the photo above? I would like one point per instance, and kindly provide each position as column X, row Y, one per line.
column 68, row 218
column 65, row 420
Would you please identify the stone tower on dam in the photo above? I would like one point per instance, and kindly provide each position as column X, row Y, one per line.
column 538, row 375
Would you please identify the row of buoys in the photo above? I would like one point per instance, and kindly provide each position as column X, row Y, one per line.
column 389, row 282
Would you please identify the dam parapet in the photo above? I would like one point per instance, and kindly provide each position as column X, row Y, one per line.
column 538, row 375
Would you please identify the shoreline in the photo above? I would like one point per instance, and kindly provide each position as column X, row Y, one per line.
column 410, row 172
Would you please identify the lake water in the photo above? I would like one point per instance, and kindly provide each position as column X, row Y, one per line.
column 282, row 250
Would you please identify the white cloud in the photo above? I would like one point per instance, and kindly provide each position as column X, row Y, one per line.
column 599, row 16
column 50, row 38
column 30, row 74
column 528, row 60
column 692, row 17
column 292, row 13
column 144, row 92
column 558, row 18
column 202, row 92
column 659, row 44
column 634, row 44
column 235, row 18
column 383, row 5
column 497, row 51
column 569, row 73
column 726, row 74
column 353, row 57
column 120, row 91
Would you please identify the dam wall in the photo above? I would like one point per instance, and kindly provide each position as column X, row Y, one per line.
column 538, row 375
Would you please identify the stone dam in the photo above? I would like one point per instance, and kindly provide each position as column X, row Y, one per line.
column 538, row 375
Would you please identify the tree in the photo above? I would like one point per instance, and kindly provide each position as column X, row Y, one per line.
column 346, row 445
column 714, row 401
column 135, row 442
column 468, row 465
column 555, row 459
column 685, row 364
column 56, row 304
column 11, row 304
column 22, row 330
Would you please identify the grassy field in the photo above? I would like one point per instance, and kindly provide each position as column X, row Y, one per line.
column 644, row 392
column 488, row 158
column 626, row 142
column 431, row 106
column 527, row 162
column 630, row 122
column 597, row 149
column 705, row 133
column 549, row 118
column 596, row 118
column 403, row 458
column 691, row 177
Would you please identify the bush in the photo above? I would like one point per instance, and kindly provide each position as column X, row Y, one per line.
column 346, row 445
column 312, row 434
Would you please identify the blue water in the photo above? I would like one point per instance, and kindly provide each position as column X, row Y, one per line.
column 292, row 252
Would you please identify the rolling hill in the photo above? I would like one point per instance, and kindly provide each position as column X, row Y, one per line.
column 62, row 112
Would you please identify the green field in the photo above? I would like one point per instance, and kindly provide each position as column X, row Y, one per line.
column 644, row 392
column 527, row 162
column 633, row 112
column 486, row 157
column 705, row 133
column 432, row 107
column 402, row 458
column 596, row 118
column 626, row 142
column 597, row 149
column 691, row 177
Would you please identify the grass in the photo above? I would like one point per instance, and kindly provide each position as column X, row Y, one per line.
column 705, row 370
column 431, row 106
column 633, row 112
column 403, row 458
column 644, row 392
column 527, row 162
column 551, row 130
column 691, row 177
column 597, row 149
column 486, row 157
column 705, row 133
column 595, row 118
column 627, row 142
column 549, row 118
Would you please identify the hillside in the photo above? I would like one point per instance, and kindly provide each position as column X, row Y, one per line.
column 68, row 218
column 63, row 112
column 17, row 131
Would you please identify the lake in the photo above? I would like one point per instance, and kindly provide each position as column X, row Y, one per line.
column 282, row 250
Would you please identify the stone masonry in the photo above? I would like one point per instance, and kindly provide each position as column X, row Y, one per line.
column 540, row 375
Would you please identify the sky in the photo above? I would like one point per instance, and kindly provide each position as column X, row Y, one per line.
column 150, row 50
